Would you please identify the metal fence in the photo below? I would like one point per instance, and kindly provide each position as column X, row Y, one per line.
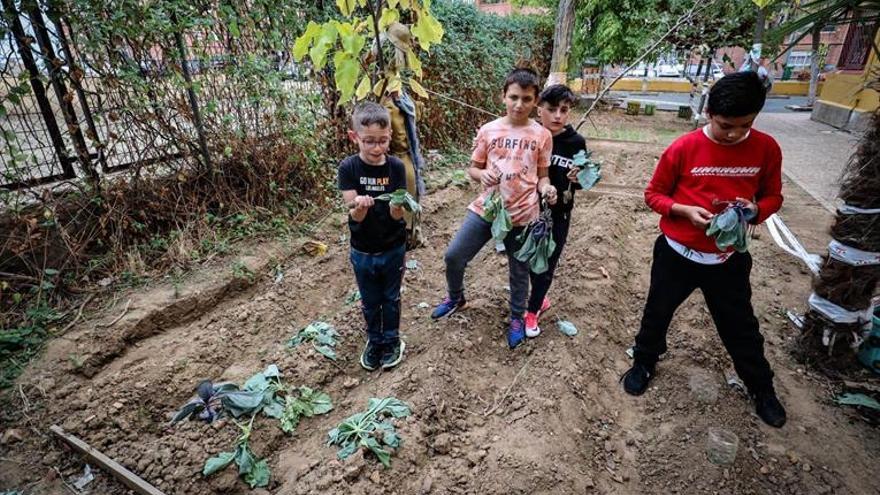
column 74, row 107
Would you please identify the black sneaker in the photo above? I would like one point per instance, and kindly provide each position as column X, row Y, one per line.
column 769, row 409
column 393, row 355
column 371, row 358
column 636, row 379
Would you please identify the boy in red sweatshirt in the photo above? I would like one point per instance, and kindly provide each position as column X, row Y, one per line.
column 696, row 177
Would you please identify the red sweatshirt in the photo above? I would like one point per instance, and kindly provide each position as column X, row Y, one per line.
column 695, row 171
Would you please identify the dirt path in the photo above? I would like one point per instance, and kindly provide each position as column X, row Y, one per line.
column 564, row 427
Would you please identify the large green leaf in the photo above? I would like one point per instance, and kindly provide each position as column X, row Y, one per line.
column 427, row 30
column 217, row 463
column 242, row 402
column 258, row 475
column 352, row 42
column 325, row 40
column 346, row 7
column 346, row 74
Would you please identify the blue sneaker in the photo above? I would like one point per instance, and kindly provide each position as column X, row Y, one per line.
column 516, row 333
column 447, row 307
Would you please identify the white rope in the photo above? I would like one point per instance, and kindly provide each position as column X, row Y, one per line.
column 855, row 210
column 462, row 103
column 785, row 239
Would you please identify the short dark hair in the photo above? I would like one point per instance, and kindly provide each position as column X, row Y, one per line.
column 369, row 113
column 737, row 95
column 556, row 95
column 525, row 78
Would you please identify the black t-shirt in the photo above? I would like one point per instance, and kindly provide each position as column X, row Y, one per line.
column 566, row 144
column 378, row 232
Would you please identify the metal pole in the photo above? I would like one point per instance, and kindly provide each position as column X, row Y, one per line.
column 27, row 58
column 77, row 85
column 53, row 66
column 191, row 95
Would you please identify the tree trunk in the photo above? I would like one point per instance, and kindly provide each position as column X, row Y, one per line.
column 848, row 286
column 755, row 54
column 814, row 65
column 562, row 42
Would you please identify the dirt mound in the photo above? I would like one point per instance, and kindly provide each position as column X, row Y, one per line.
column 549, row 417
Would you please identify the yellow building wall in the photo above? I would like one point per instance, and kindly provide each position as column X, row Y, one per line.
column 845, row 89
column 790, row 88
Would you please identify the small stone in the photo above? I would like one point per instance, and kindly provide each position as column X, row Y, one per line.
column 442, row 443
column 12, row 435
column 427, row 483
column 765, row 470
column 374, row 477
column 806, row 467
column 350, row 382
column 476, row 456
column 118, row 405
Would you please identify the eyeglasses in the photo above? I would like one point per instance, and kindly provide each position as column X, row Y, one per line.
column 374, row 142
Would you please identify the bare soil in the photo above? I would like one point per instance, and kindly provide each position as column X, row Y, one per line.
column 549, row 417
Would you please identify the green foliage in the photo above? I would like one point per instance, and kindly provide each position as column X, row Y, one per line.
column 309, row 403
column 240, row 271
column 591, row 171
column 322, row 336
column 354, row 58
column 371, row 429
column 614, row 31
column 20, row 343
column 254, row 471
column 402, row 197
column 495, row 213
column 730, row 228
column 477, row 52
column 537, row 243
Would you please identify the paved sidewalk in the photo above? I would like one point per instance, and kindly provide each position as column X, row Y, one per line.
column 813, row 154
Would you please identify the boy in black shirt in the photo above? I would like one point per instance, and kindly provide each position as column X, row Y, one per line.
column 378, row 232
column 554, row 105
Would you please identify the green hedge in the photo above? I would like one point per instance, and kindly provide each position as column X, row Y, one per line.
column 477, row 52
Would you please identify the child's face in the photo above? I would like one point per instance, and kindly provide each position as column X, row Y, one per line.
column 519, row 102
column 554, row 117
column 729, row 130
column 373, row 141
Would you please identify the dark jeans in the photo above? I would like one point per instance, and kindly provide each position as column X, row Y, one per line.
column 473, row 234
column 378, row 278
column 728, row 295
column 541, row 283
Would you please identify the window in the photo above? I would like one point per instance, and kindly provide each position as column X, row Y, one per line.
column 799, row 59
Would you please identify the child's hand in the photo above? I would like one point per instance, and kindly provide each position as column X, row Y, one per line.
column 573, row 174
column 549, row 192
column 748, row 204
column 698, row 216
column 363, row 203
column 489, row 178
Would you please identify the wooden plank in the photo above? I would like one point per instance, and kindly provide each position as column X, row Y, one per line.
column 119, row 472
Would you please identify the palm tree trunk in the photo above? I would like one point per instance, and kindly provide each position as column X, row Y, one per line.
column 849, row 287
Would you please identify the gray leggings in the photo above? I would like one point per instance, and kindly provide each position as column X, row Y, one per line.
column 470, row 238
